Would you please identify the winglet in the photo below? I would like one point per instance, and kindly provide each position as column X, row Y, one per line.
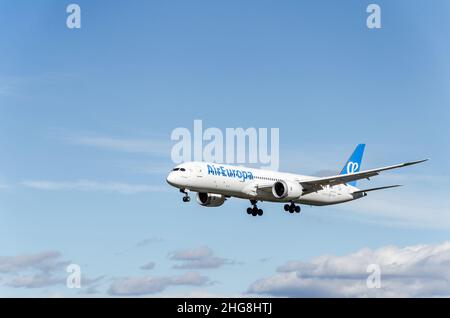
column 415, row 162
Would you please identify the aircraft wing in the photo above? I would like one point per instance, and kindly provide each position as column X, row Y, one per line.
column 255, row 188
column 319, row 183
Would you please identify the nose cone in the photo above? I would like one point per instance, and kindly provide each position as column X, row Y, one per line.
column 171, row 179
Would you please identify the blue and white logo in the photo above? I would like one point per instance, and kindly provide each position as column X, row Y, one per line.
column 352, row 167
column 231, row 173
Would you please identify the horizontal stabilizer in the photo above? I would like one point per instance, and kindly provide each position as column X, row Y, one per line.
column 375, row 189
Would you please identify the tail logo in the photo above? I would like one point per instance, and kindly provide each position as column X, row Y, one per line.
column 352, row 167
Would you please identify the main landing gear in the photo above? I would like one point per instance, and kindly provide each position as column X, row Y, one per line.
column 254, row 210
column 292, row 208
column 186, row 197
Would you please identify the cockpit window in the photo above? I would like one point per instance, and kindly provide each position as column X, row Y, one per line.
column 176, row 169
column 182, row 169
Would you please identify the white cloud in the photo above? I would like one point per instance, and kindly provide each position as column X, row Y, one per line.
column 414, row 271
column 39, row 270
column 198, row 258
column 144, row 285
column 33, row 270
column 190, row 279
column 151, row 147
column 43, row 261
column 89, row 185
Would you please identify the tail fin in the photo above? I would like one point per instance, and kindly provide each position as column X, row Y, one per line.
column 353, row 163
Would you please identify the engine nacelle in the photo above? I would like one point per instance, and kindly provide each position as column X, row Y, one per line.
column 287, row 190
column 210, row 199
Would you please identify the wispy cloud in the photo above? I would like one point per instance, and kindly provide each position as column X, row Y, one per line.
column 200, row 293
column 40, row 270
column 410, row 211
column 150, row 169
column 6, row 90
column 43, row 261
column 8, row 85
column 141, row 244
column 91, row 286
column 33, row 270
column 415, row 178
column 89, row 185
column 145, row 146
column 265, row 259
column 35, row 281
column 198, row 258
column 144, row 285
column 21, row 86
column 149, row 241
column 148, row 266
column 414, row 271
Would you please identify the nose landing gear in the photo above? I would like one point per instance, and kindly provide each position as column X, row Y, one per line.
column 292, row 208
column 254, row 209
column 186, row 197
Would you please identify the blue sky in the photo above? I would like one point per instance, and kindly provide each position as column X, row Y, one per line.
column 90, row 112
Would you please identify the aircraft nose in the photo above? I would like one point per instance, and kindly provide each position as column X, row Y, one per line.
column 171, row 179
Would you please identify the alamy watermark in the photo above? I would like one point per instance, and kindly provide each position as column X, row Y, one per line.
column 374, row 19
column 232, row 146
column 74, row 278
column 73, row 20
column 374, row 279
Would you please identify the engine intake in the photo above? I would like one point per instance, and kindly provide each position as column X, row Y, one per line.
column 210, row 199
column 286, row 190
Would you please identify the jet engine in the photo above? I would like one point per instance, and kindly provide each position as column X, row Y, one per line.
column 286, row 190
column 210, row 199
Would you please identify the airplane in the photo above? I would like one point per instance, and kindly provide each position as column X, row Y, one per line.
column 215, row 183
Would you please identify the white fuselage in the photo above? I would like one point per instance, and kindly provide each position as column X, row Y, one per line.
column 244, row 183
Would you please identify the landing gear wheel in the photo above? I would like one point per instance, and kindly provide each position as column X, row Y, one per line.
column 186, row 199
column 286, row 207
column 254, row 209
column 292, row 209
column 297, row 209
